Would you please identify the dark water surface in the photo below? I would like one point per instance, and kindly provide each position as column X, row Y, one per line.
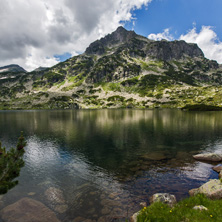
column 102, row 163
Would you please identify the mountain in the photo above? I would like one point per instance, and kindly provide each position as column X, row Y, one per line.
column 122, row 69
column 12, row 69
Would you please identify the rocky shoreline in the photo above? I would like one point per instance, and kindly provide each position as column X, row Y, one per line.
column 56, row 204
column 211, row 189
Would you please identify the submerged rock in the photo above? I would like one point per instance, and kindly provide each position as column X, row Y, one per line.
column 166, row 198
column 215, row 157
column 61, row 208
column 26, row 210
column 54, row 195
column 154, row 156
column 212, row 189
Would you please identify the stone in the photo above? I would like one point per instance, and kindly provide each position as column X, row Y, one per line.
column 105, row 210
column 214, row 157
column 102, row 219
column 200, row 207
column 154, row 156
column 212, row 189
column 193, row 192
column 143, row 204
column 26, row 210
column 166, row 198
column 217, row 168
column 54, row 195
column 113, row 195
column 61, row 208
column 134, row 217
column 79, row 219
column 117, row 211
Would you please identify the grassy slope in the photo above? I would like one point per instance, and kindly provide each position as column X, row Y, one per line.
column 183, row 211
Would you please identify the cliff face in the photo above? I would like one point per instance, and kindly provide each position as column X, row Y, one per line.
column 122, row 69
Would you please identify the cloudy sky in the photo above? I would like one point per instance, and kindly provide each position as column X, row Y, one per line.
column 44, row 32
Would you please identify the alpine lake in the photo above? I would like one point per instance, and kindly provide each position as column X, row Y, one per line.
column 100, row 164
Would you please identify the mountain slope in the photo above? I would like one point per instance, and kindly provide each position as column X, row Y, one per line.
column 122, row 69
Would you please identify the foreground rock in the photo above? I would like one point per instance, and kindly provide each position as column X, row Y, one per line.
column 166, row 198
column 214, row 157
column 212, row 189
column 28, row 210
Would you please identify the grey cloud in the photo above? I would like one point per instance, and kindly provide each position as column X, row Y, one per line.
column 31, row 31
column 88, row 13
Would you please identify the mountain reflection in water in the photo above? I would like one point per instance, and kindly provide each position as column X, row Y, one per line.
column 105, row 162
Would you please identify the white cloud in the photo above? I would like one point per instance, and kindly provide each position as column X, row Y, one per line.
column 32, row 32
column 207, row 40
column 159, row 36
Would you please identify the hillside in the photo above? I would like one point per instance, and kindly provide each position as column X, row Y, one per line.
column 122, row 69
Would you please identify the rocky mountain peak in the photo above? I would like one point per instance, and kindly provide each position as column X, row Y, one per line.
column 121, row 35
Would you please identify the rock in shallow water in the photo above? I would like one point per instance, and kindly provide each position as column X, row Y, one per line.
column 212, row 189
column 27, row 210
column 54, row 195
column 217, row 168
column 214, row 157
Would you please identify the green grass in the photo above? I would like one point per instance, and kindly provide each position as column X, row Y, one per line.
column 183, row 211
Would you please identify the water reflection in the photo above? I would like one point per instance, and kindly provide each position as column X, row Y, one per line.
column 104, row 162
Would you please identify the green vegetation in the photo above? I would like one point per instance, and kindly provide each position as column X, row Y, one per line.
column 10, row 164
column 183, row 211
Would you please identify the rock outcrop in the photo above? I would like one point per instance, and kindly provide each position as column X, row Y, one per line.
column 28, row 210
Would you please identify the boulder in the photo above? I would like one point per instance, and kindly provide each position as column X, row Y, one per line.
column 212, row 189
column 26, row 210
column 214, row 157
column 217, row 168
column 166, row 198
column 200, row 207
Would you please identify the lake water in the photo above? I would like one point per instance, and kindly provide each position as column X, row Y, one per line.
column 103, row 163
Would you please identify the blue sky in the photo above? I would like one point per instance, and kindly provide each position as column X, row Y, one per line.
column 179, row 16
column 58, row 29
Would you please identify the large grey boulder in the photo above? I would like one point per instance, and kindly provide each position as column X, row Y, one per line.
column 166, row 198
column 28, row 210
column 214, row 157
column 212, row 189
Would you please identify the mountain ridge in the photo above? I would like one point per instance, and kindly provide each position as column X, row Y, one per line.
column 122, row 69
